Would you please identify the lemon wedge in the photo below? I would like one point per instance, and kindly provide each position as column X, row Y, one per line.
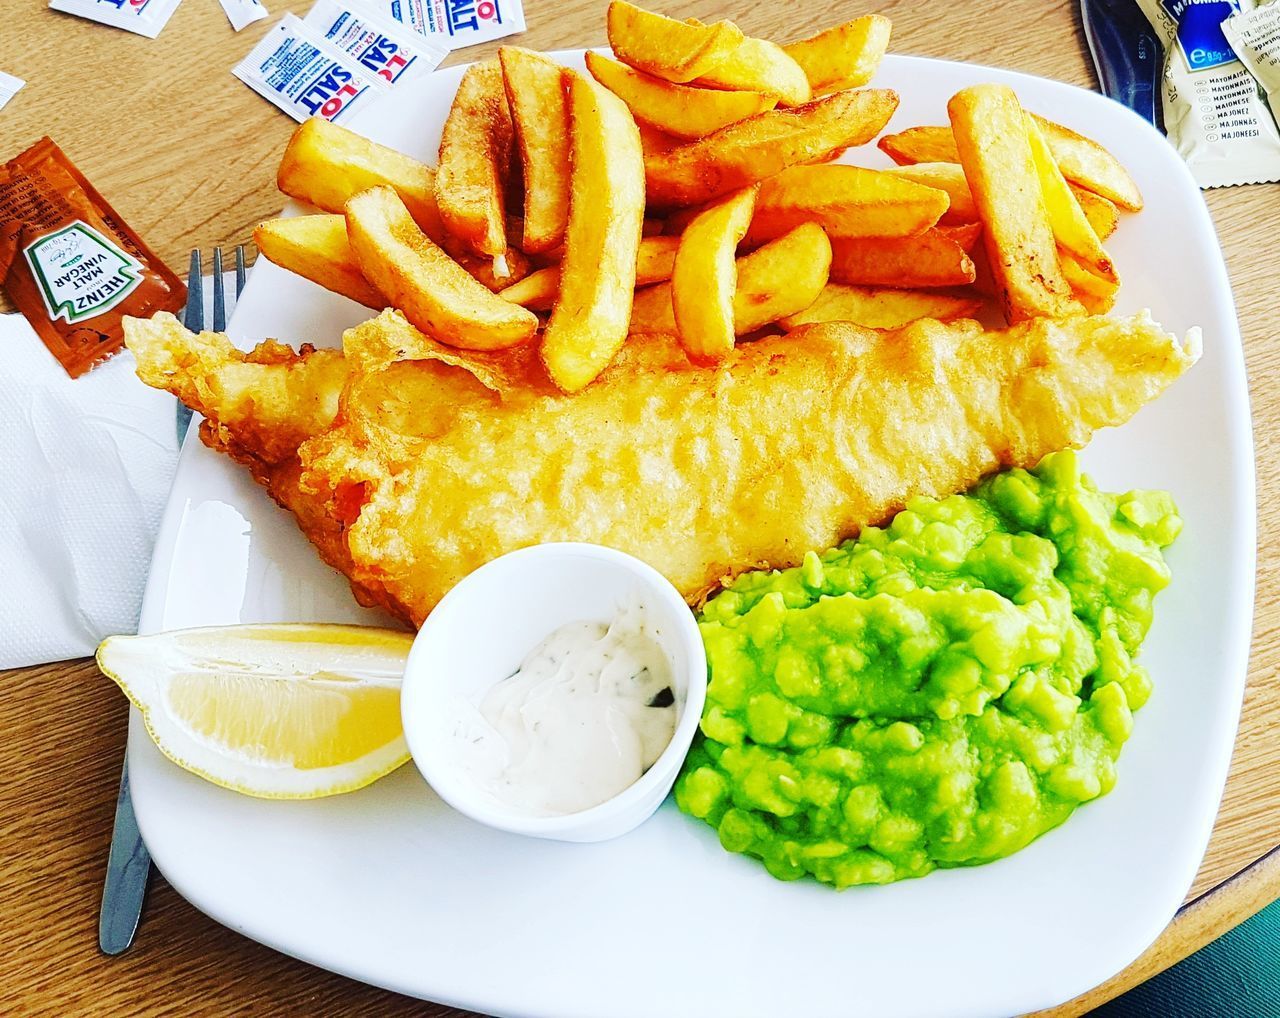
column 275, row 711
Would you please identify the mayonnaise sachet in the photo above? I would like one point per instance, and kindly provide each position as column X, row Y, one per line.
column 1214, row 112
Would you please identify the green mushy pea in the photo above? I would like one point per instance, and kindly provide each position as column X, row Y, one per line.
column 938, row 692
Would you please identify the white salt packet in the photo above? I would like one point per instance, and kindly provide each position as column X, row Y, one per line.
column 9, row 86
column 381, row 46
column 1213, row 112
column 143, row 17
column 454, row 23
column 242, row 13
column 305, row 76
column 1255, row 37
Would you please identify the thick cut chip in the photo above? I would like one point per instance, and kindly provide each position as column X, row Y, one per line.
column 846, row 201
column 326, row 166
column 741, row 154
column 1101, row 212
column 316, row 248
column 931, row 259
column 654, row 142
column 475, row 161
column 435, row 293
column 964, row 234
column 1071, row 227
column 1083, row 161
column 921, row 145
column 779, row 279
column 991, row 137
column 541, row 122
column 680, row 111
column 537, row 291
column 758, row 65
column 947, row 177
column 1096, row 294
column 656, row 259
column 846, row 56
column 705, row 276
column 606, row 214
column 664, row 47
column 880, row 307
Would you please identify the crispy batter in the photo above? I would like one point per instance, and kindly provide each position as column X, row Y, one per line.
column 792, row 443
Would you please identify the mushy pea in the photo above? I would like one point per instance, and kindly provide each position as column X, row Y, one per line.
column 938, row 692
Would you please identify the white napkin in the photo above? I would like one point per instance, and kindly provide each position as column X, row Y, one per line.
column 85, row 468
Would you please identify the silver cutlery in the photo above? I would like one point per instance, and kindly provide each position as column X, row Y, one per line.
column 129, row 864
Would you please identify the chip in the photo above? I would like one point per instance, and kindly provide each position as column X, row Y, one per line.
column 475, row 161
column 1071, row 227
column 541, row 123
column 606, row 213
column 678, row 51
column 846, row 56
column 991, row 136
column 705, row 275
column 680, row 111
column 316, row 248
column 931, row 259
column 326, row 166
column 846, row 201
column 757, row 65
column 419, row 278
column 751, row 150
column 782, row 277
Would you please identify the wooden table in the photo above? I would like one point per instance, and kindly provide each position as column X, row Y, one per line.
column 188, row 155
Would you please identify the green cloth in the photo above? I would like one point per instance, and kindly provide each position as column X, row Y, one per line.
column 1236, row 976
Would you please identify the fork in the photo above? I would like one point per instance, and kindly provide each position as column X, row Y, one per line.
column 129, row 863
column 193, row 317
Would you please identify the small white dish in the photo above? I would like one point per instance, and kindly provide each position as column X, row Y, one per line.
column 487, row 625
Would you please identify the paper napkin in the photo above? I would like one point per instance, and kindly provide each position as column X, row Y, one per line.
column 85, row 468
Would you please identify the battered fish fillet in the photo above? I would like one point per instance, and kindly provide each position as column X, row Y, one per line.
column 409, row 464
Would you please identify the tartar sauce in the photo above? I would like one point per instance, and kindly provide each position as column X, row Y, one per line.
column 587, row 713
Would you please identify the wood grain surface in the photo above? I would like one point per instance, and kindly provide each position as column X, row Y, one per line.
column 187, row 154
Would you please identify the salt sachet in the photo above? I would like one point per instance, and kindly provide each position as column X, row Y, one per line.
column 69, row 262
column 242, row 13
column 143, row 17
column 305, row 76
column 1255, row 37
column 454, row 23
column 1214, row 114
column 9, row 86
column 380, row 45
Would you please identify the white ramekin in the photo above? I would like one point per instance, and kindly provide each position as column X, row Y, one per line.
column 484, row 628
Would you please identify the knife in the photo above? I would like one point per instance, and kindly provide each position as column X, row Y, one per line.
column 129, row 863
column 128, row 867
column 1126, row 53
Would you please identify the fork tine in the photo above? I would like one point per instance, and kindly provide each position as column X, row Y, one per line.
column 193, row 319
column 239, row 270
column 219, row 297
column 193, row 316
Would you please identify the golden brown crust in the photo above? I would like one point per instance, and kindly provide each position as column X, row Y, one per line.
column 793, row 443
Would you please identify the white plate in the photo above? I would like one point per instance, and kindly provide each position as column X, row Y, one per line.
column 391, row 887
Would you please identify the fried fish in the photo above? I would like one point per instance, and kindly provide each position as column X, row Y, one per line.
column 409, row 464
